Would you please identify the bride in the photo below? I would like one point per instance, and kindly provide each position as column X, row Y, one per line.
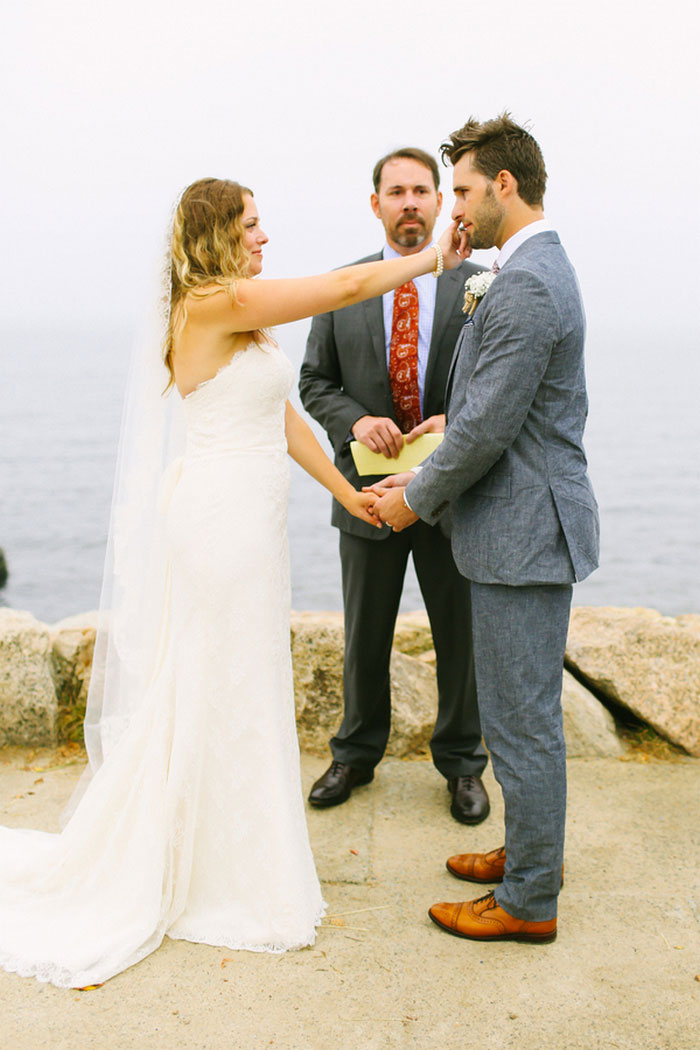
column 191, row 820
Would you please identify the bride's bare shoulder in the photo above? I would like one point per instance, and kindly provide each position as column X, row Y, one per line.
column 198, row 354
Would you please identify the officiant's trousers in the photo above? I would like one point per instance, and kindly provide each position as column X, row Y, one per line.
column 373, row 577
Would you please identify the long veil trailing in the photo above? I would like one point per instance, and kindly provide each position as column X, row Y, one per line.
column 151, row 443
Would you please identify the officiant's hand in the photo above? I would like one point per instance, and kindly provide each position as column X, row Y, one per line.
column 431, row 425
column 393, row 481
column 379, row 434
column 455, row 246
column 392, row 510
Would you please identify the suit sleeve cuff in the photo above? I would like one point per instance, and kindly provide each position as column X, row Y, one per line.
column 414, row 470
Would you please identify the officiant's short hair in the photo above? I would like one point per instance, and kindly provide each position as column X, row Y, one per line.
column 410, row 153
column 501, row 145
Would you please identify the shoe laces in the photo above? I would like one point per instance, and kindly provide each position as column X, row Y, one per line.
column 488, row 900
column 337, row 767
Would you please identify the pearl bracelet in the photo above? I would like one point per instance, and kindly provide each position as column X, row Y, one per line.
column 439, row 261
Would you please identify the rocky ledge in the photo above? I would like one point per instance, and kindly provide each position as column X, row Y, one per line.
column 633, row 659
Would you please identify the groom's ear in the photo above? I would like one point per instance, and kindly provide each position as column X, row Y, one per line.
column 374, row 201
column 505, row 184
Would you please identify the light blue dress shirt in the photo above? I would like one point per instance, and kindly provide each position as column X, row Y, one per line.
column 426, row 286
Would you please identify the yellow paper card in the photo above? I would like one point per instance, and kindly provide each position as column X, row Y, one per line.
column 367, row 462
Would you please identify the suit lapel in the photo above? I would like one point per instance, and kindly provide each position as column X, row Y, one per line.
column 374, row 316
column 465, row 335
column 449, row 287
column 373, row 311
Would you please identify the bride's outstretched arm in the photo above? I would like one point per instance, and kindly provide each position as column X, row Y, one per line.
column 264, row 304
column 306, row 451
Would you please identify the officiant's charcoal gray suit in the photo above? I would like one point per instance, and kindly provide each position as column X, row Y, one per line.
column 512, row 473
column 345, row 376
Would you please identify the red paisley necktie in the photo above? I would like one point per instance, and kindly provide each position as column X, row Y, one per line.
column 403, row 358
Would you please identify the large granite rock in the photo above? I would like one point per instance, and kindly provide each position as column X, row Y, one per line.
column 28, row 706
column 412, row 635
column 644, row 661
column 317, row 654
column 72, row 647
column 589, row 728
column 638, row 658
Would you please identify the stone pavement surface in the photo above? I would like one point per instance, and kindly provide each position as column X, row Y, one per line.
column 620, row 976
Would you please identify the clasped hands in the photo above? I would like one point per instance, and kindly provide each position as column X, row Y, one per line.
column 390, row 508
column 381, row 434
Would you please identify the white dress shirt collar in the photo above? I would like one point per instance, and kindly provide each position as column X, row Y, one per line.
column 390, row 253
column 514, row 242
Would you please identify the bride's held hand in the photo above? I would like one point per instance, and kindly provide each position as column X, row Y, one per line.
column 455, row 246
column 361, row 504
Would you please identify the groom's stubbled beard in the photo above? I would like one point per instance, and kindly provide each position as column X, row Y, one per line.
column 486, row 221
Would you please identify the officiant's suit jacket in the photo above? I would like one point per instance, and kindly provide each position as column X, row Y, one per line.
column 345, row 375
column 512, row 469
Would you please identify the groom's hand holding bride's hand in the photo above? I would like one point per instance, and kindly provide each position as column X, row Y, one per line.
column 390, row 507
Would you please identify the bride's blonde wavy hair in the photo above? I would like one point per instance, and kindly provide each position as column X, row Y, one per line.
column 206, row 251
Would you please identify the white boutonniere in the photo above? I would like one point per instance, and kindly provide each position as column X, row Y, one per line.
column 475, row 288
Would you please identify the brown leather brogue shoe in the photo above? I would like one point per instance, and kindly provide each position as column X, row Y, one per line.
column 483, row 919
column 481, row 867
column 478, row 867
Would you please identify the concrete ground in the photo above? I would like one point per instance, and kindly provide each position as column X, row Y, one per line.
column 624, row 973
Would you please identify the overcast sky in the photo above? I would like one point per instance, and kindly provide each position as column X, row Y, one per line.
column 109, row 109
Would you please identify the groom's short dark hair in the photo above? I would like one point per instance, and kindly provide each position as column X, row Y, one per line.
column 497, row 145
column 411, row 153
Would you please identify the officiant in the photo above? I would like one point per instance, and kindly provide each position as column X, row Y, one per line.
column 375, row 373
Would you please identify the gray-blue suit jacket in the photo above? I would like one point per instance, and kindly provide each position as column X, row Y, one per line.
column 511, row 470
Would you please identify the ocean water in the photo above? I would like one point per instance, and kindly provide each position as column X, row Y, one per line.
column 60, row 408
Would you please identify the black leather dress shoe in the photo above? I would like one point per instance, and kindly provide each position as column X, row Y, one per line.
column 336, row 784
column 470, row 803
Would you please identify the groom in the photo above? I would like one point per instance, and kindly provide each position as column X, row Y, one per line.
column 512, row 472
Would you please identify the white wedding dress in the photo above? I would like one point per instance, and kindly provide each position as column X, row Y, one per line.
column 194, row 826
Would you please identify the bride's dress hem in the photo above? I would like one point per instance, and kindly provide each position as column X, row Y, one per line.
column 243, row 946
column 60, row 977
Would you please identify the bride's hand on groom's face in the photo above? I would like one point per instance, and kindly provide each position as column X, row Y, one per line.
column 455, row 246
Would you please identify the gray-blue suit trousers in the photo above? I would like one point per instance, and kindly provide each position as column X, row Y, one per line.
column 519, row 642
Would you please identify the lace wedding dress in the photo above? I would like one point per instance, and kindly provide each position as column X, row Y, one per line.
column 194, row 825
